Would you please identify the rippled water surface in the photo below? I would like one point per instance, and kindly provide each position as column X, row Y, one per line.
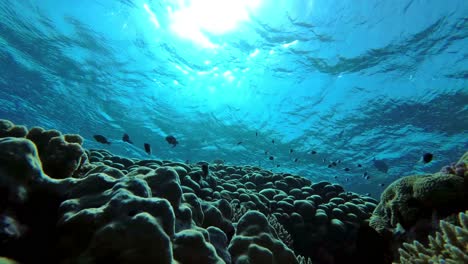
column 352, row 80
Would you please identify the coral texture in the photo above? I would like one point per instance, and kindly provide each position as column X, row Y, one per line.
column 450, row 245
column 66, row 204
column 411, row 198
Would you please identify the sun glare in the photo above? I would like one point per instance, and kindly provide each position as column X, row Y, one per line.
column 195, row 18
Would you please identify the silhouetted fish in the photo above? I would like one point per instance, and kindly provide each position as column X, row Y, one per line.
column 329, row 165
column 380, row 165
column 271, row 158
column 273, row 141
column 381, row 184
column 240, row 142
column 101, row 139
column 313, row 152
column 266, row 152
column 295, row 160
column 346, row 169
column 256, row 134
column 126, row 138
column 172, row 140
column 147, row 148
column 427, row 157
column 205, row 169
column 341, row 133
column 359, row 165
column 291, row 151
column 277, row 165
column 367, row 177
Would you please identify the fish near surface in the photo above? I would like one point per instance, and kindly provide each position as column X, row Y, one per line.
column 172, row 140
column 427, row 157
column 126, row 138
column 380, row 165
column 101, row 139
column 147, row 148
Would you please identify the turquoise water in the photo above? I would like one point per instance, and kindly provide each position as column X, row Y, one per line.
column 351, row 80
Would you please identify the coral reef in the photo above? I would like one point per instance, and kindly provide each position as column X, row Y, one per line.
column 256, row 242
column 411, row 198
column 66, row 204
column 460, row 168
column 450, row 245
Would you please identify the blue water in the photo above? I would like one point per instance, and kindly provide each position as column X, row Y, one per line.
column 350, row 79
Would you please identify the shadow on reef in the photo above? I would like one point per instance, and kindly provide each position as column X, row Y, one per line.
column 61, row 203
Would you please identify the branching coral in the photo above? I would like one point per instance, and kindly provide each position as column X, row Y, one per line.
column 303, row 260
column 237, row 211
column 450, row 245
column 282, row 233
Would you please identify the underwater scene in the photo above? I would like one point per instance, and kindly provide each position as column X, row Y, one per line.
column 234, row 131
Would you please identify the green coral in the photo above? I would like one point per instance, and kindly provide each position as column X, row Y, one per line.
column 411, row 198
column 304, row 260
column 450, row 245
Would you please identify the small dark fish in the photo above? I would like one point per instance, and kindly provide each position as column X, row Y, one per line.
column 187, row 162
column 333, row 163
column 329, row 165
column 346, row 169
column 295, row 160
column 427, row 157
column 380, row 165
column 271, row 158
column 172, row 140
column 381, row 184
column 273, row 141
column 359, row 165
column 291, row 151
column 147, row 148
column 313, row 152
column 368, row 194
column 367, row 177
column 205, row 169
column 347, row 179
column 341, row 133
column 101, row 139
column 240, row 142
column 364, row 174
column 335, row 177
column 256, row 134
column 338, row 161
column 126, row 138
column 266, row 152
column 324, row 160
column 277, row 165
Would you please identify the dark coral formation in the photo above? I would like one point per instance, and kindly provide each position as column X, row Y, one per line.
column 411, row 207
column 450, row 245
column 61, row 203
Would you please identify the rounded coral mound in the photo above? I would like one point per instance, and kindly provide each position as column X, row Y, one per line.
column 412, row 198
column 66, row 204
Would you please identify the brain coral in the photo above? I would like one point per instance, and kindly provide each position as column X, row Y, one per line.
column 411, row 198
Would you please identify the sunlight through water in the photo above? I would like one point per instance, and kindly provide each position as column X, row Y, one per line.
column 195, row 19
